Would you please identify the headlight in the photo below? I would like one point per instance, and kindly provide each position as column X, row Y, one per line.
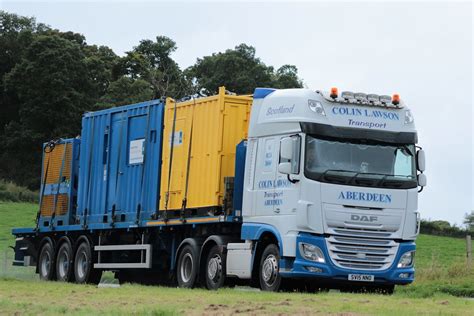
column 311, row 252
column 406, row 260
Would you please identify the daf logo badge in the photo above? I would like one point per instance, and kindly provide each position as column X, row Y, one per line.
column 363, row 218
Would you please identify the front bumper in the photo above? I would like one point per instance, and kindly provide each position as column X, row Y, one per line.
column 300, row 267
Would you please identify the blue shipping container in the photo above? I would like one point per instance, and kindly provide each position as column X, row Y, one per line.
column 120, row 161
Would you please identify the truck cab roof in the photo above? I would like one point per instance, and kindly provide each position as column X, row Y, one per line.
column 347, row 115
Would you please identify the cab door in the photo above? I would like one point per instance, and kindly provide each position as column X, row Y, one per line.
column 287, row 186
column 264, row 180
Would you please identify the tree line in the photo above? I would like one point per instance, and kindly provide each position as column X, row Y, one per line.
column 49, row 78
column 444, row 228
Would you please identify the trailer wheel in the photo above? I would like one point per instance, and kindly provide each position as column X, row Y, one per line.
column 46, row 263
column 65, row 263
column 84, row 267
column 270, row 279
column 187, row 270
column 215, row 268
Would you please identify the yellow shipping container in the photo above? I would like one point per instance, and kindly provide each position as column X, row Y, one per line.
column 215, row 125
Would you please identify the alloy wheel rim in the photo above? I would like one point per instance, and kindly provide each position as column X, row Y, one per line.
column 187, row 267
column 214, row 267
column 270, row 270
column 63, row 264
column 81, row 265
column 45, row 264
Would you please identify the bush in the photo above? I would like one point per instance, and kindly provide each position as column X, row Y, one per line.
column 14, row 193
column 442, row 228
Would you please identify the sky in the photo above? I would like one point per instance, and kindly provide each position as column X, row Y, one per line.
column 423, row 51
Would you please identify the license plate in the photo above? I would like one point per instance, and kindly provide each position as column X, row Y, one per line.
column 361, row 277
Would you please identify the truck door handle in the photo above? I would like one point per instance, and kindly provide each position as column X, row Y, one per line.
column 277, row 210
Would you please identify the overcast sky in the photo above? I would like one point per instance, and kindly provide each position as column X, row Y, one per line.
column 421, row 50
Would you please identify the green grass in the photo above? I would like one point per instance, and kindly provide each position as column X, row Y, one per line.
column 15, row 215
column 441, row 276
column 54, row 298
column 442, row 251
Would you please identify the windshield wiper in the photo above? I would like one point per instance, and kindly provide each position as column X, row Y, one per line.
column 340, row 178
column 406, row 149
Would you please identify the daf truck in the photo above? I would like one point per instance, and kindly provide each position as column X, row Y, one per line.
column 289, row 187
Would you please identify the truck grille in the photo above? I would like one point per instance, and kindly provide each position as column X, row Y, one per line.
column 369, row 233
column 361, row 253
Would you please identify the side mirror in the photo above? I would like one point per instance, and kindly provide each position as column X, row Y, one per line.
column 286, row 149
column 422, row 181
column 284, row 167
column 420, row 160
column 290, row 148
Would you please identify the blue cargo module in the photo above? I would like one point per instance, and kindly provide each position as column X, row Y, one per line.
column 119, row 176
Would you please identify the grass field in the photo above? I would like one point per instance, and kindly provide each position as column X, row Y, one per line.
column 443, row 286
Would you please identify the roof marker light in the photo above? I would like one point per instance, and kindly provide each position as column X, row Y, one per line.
column 373, row 98
column 396, row 99
column 334, row 92
column 347, row 95
column 360, row 96
column 385, row 99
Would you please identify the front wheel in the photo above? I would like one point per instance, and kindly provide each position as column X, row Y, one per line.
column 215, row 268
column 270, row 279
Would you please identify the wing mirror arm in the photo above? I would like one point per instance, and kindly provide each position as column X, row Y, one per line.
column 293, row 180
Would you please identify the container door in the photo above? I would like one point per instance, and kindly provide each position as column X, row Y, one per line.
column 118, row 138
column 130, row 190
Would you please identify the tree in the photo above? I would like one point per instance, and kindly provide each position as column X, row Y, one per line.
column 126, row 90
column 240, row 71
column 151, row 62
column 54, row 89
column 287, row 77
column 16, row 34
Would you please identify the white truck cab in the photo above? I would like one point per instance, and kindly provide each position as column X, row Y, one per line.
column 333, row 180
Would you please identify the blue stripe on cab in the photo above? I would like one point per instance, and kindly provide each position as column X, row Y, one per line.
column 261, row 93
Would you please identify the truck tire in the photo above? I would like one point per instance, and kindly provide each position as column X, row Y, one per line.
column 270, row 279
column 46, row 266
column 65, row 263
column 187, row 270
column 215, row 268
column 84, row 271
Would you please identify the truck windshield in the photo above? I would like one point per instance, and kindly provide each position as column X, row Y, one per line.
column 359, row 164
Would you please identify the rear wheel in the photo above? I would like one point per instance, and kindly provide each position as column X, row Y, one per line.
column 65, row 263
column 215, row 268
column 46, row 263
column 186, row 271
column 84, row 271
column 270, row 279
